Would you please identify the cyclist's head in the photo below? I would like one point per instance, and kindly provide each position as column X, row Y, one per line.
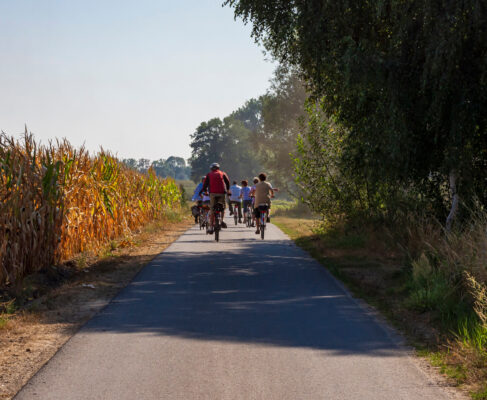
column 234, row 182
column 256, row 180
column 262, row 177
column 214, row 166
column 245, row 183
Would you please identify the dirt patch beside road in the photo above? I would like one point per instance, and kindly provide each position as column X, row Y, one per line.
column 71, row 295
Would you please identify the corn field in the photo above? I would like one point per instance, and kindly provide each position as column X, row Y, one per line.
column 57, row 201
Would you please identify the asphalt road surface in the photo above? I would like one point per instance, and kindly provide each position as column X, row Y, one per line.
column 238, row 319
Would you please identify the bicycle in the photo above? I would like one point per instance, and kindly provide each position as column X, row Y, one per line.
column 203, row 218
column 248, row 215
column 218, row 219
column 263, row 209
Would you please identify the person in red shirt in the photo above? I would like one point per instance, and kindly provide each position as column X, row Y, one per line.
column 217, row 184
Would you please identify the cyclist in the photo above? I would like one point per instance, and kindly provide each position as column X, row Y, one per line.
column 197, row 198
column 252, row 195
column 246, row 199
column 263, row 193
column 217, row 184
column 235, row 199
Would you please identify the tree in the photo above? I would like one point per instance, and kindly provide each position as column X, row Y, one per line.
column 226, row 142
column 130, row 162
column 143, row 164
column 405, row 79
column 283, row 113
column 250, row 114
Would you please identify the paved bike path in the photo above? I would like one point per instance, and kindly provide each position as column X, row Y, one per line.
column 239, row 319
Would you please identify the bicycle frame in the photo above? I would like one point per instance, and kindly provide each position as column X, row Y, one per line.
column 217, row 220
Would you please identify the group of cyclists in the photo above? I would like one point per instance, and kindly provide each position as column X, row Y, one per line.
column 215, row 188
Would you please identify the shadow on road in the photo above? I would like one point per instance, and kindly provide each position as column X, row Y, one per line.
column 262, row 292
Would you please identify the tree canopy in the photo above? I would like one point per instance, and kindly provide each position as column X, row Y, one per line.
column 259, row 136
column 406, row 80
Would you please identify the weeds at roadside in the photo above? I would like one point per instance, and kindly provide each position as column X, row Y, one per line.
column 480, row 395
column 428, row 286
column 7, row 310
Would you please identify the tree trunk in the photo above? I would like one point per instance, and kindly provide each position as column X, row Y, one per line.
column 455, row 199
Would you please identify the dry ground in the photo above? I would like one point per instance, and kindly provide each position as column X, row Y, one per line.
column 70, row 295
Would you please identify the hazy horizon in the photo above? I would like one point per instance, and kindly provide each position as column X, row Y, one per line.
column 135, row 79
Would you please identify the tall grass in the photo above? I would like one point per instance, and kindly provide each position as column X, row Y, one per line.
column 449, row 276
column 57, row 201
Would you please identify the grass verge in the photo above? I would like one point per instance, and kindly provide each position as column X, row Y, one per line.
column 376, row 271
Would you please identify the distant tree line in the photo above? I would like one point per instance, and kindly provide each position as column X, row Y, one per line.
column 174, row 167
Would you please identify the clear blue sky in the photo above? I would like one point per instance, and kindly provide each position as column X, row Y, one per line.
column 135, row 77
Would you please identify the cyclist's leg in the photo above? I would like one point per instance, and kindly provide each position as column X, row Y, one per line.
column 220, row 198
column 245, row 206
column 229, row 204
column 239, row 205
column 256, row 214
column 213, row 201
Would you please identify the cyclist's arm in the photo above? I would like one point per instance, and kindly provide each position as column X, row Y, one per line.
column 227, row 181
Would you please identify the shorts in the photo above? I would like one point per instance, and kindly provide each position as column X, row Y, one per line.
column 257, row 211
column 217, row 198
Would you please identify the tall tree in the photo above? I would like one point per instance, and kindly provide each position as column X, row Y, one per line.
column 406, row 79
column 226, row 142
column 283, row 112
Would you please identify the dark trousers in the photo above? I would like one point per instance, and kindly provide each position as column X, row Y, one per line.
column 239, row 203
column 246, row 205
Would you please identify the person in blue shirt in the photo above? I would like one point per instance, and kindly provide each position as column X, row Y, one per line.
column 246, row 198
column 235, row 199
